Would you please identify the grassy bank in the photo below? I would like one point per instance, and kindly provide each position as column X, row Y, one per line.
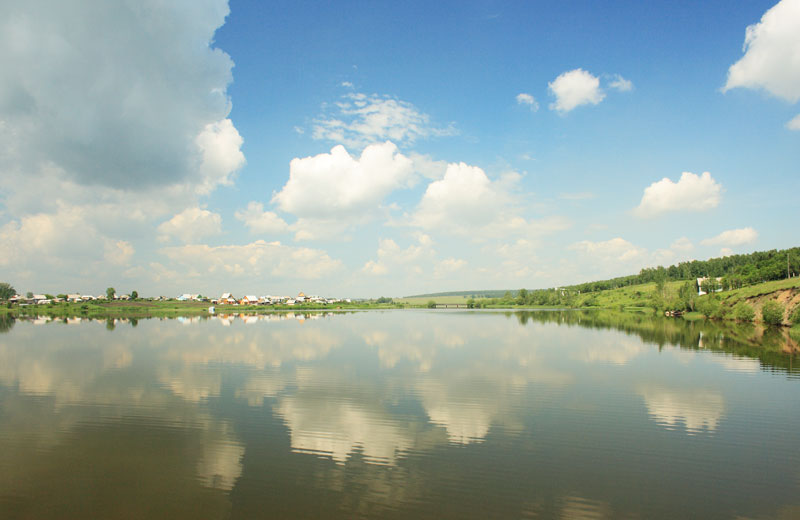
column 164, row 309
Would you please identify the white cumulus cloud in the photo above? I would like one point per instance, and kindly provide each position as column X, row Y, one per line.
column 691, row 193
column 189, row 225
column 732, row 237
column 259, row 221
column 118, row 252
column 771, row 58
column 794, row 123
column 391, row 257
column 466, row 202
column 575, row 88
column 122, row 113
column 527, row 100
column 336, row 183
column 256, row 259
column 330, row 190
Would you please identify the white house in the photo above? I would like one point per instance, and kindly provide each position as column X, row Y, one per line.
column 700, row 281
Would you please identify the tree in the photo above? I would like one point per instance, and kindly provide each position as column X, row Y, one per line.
column 6, row 291
column 110, row 292
column 709, row 285
column 134, row 295
column 431, row 304
column 29, row 295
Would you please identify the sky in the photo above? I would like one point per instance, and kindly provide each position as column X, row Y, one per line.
column 364, row 149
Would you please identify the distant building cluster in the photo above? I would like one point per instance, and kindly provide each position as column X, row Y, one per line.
column 225, row 299
column 42, row 299
column 251, row 299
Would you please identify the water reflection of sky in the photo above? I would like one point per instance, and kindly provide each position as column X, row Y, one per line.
column 393, row 390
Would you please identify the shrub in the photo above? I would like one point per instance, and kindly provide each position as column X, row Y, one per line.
column 431, row 304
column 772, row 313
column 707, row 307
column 795, row 319
column 743, row 312
column 721, row 312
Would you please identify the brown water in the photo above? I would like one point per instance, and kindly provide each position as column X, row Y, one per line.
column 399, row 414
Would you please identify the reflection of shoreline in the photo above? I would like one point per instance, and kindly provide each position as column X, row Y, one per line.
column 225, row 318
column 772, row 346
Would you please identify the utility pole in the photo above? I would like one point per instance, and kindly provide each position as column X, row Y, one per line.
column 787, row 264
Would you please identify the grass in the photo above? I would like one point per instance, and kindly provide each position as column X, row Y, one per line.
column 736, row 295
column 632, row 296
column 158, row 309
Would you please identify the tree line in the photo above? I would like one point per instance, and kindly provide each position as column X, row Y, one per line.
column 735, row 270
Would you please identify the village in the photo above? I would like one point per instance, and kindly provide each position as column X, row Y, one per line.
column 226, row 299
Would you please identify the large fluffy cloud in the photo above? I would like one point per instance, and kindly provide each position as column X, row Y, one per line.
column 252, row 261
column 771, row 58
column 732, row 237
column 575, row 88
column 392, row 257
column 190, row 225
column 329, row 190
column 336, row 183
column 691, row 193
column 60, row 250
column 260, row 221
column 466, row 202
column 147, row 106
column 358, row 120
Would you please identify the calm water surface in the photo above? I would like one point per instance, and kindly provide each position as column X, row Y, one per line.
column 399, row 414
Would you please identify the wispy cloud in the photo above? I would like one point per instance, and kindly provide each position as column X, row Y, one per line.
column 527, row 100
column 621, row 84
column 358, row 120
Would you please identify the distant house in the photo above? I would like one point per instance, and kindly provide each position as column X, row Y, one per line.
column 702, row 280
column 227, row 298
column 249, row 300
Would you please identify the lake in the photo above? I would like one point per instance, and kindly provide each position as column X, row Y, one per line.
column 398, row 414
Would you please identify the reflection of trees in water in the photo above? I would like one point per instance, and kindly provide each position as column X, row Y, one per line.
column 772, row 346
column 6, row 322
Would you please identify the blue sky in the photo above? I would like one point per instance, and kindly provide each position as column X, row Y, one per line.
column 366, row 149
